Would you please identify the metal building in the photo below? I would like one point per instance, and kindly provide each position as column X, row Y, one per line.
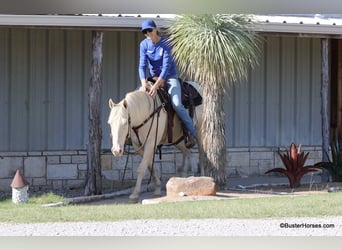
column 45, row 73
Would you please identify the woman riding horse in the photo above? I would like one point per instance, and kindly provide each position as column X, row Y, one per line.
column 155, row 51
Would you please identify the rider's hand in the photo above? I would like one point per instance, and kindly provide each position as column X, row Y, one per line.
column 144, row 86
column 153, row 90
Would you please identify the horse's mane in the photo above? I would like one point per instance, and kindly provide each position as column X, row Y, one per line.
column 139, row 105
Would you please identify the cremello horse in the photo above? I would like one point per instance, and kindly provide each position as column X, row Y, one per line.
column 144, row 120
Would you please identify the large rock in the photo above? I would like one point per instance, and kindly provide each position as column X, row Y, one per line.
column 191, row 186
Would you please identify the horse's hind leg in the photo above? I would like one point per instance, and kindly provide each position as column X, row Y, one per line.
column 187, row 161
column 156, row 180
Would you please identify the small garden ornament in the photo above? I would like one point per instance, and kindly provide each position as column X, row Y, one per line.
column 19, row 189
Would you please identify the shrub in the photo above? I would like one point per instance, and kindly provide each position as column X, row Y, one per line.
column 334, row 165
column 294, row 161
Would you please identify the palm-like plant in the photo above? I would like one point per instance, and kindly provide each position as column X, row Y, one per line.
column 334, row 165
column 294, row 162
column 215, row 50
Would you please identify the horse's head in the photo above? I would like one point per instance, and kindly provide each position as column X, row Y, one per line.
column 118, row 122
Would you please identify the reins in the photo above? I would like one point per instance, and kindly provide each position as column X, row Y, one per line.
column 136, row 128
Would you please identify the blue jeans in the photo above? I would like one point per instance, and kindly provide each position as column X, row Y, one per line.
column 175, row 92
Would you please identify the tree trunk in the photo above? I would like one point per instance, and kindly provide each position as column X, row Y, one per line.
column 324, row 104
column 94, row 177
column 213, row 127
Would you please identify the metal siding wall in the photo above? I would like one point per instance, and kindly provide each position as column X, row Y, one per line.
column 19, row 89
column 128, row 62
column 45, row 76
column 56, row 90
column 287, row 90
column 110, row 80
column 111, row 73
column 280, row 103
column 75, row 87
column 120, row 72
column 257, row 102
column 4, row 89
column 37, row 129
column 241, row 115
column 272, row 89
column 303, row 86
column 87, row 60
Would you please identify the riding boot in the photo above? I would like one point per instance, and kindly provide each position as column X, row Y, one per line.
column 190, row 140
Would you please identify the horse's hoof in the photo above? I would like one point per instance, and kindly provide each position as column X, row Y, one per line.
column 157, row 192
column 133, row 200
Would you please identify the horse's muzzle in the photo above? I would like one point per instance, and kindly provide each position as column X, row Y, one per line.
column 118, row 151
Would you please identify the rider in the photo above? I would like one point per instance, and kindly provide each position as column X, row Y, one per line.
column 155, row 52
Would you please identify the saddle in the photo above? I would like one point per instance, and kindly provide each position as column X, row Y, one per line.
column 190, row 99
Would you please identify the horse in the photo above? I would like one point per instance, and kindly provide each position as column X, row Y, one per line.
column 143, row 119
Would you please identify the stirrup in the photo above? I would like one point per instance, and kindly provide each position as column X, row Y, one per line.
column 190, row 141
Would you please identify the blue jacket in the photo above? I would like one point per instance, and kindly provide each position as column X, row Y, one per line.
column 158, row 58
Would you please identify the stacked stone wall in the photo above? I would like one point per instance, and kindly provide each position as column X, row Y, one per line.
column 58, row 170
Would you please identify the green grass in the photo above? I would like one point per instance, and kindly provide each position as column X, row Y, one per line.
column 318, row 205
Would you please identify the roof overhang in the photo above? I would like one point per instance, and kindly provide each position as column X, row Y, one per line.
column 85, row 22
column 310, row 26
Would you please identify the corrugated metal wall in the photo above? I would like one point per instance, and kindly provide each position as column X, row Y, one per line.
column 280, row 102
column 44, row 78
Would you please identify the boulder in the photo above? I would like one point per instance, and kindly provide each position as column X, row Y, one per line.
column 191, row 186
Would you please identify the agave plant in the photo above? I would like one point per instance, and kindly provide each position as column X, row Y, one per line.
column 294, row 161
column 334, row 165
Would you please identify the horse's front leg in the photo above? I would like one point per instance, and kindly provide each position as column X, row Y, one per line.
column 145, row 162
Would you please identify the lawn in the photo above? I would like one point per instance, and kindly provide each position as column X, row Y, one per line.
column 315, row 205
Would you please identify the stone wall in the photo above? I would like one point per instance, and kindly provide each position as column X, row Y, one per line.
column 56, row 170
column 50, row 170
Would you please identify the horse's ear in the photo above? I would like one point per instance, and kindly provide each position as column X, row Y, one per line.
column 111, row 103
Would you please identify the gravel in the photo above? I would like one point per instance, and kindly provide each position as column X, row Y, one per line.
column 326, row 226
column 303, row 226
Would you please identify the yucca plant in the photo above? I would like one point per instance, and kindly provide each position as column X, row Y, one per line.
column 294, row 161
column 334, row 165
column 215, row 50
